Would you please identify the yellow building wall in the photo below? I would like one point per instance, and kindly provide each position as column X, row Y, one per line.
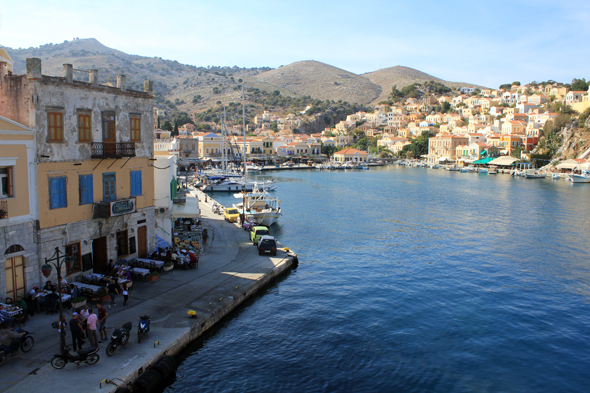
column 76, row 212
column 18, row 205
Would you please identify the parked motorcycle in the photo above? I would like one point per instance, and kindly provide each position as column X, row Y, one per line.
column 143, row 327
column 89, row 355
column 119, row 338
column 24, row 343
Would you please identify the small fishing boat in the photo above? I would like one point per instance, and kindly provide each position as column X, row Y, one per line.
column 259, row 207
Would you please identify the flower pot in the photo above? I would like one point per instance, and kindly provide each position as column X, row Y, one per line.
column 78, row 304
column 105, row 298
column 153, row 278
column 168, row 268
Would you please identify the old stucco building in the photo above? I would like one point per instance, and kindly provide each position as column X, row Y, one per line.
column 94, row 167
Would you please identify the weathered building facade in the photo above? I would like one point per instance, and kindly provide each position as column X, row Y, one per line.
column 94, row 165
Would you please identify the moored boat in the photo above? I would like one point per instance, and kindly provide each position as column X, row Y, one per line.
column 259, row 207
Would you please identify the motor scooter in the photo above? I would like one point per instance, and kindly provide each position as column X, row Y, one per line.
column 119, row 338
column 24, row 343
column 88, row 355
column 143, row 327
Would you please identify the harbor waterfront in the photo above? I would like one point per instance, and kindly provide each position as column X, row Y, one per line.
column 414, row 280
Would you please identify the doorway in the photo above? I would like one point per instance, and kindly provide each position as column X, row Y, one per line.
column 99, row 254
column 142, row 242
column 15, row 277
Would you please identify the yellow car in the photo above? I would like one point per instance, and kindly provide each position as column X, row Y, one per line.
column 231, row 214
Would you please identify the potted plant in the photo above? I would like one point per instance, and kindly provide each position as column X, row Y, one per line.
column 3, row 213
column 103, row 295
column 168, row 266
column 79, row 302
column 154, row 276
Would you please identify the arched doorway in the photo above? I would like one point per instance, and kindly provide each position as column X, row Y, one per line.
column 14, row 272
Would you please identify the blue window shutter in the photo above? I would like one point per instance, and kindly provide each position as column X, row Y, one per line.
column 139, row 185
column 63, row 200
column 53, row 193
column 86, row 189
column 136, row 186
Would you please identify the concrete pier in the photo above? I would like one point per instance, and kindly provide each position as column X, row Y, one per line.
column 230, row 271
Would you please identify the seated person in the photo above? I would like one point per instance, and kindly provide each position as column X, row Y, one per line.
column 5, row 317
column 20, row 302
column 62, row 282
column 128, row 276
column 193, row 257
column 48, row 287
column 120, row 273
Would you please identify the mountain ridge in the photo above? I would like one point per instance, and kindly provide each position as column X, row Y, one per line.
column 198, row 88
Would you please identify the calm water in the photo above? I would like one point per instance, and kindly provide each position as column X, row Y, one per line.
column 414, row 280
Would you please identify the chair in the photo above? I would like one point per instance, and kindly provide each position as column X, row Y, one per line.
column 9, row 300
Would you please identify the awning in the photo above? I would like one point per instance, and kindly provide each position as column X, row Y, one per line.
column 484, row 160
column 504, row 161
column 188, row 210
column 443, row 159
column 570, row 164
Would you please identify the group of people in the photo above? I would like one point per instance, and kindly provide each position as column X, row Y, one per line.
column 181, row 257
column 84, row 325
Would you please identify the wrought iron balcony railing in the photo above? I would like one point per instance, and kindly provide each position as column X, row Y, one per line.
column 113, row 149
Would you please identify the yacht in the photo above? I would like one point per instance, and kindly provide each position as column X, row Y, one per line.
column 259, row 207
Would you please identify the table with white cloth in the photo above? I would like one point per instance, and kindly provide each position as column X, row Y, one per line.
column 93, row 288
column 11, row 309
column 158, row 264
column 141, row 271
column 64, row 296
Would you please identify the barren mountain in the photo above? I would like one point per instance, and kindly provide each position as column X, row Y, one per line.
column 403, row 76
column 195, row 89
column 322, row 81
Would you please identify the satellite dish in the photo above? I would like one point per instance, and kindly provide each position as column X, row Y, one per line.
column 162, row 210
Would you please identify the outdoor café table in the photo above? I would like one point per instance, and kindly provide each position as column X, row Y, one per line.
column 96, row 275
column 141, row 271
column 93, row 288
column 158, row 264
column 11, row 309
column 64, row 296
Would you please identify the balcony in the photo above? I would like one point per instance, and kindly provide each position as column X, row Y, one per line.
column 113, row 149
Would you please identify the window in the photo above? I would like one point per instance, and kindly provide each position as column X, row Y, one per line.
column 56, row 126
column 135, row 128
column 57, row 192
column 109, row 189
column 84, row 128
column 136, row 188
column 6, row 186
column 75, row 264
column 86, row 189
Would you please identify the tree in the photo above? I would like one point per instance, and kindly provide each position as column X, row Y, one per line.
column 505, row 86
column 274, row 126
column 418, row 146
column 167, row 126
column 158, row 121
column 579, row 85
column 175, row 131
column 445, row 107
column 328, row 150
column 516, row 152
column 517, row 83
column 395, row 93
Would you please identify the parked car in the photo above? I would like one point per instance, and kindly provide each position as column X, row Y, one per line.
column 267, row 245
column 257, row 232
column 231, row 214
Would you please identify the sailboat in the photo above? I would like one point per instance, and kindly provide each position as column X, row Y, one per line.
column 225, row 181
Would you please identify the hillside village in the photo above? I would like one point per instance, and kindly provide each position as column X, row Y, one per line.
column 461, row 126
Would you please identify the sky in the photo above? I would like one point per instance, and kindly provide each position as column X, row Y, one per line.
column 485, row 43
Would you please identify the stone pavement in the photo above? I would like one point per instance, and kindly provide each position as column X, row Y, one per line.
column 230, row 270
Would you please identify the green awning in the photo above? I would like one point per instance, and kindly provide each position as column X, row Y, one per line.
column 484, row 160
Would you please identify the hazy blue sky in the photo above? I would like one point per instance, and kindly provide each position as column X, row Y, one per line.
column 488, row 43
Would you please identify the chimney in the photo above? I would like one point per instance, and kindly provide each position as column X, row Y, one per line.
column 34, row 68
column 68, row 73
column 93, row 77
column 148, row 86
column 121, row 82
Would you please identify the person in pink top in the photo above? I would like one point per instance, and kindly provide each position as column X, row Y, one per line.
column 91, row 323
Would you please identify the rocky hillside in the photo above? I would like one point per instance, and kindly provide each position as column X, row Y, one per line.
column 404, row 76
column 195, row 89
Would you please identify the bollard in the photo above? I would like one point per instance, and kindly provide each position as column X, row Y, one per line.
column 101, row 382
column 157, row 342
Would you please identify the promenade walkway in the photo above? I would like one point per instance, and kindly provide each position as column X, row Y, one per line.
column 230, row 270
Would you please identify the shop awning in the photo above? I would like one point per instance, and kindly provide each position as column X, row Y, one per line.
column 504, row 161
column 484, row 160
column 190, row 209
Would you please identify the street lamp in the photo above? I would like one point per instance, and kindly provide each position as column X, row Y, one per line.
column 57, row 260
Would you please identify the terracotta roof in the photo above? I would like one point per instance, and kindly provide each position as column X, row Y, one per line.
column 351, row 151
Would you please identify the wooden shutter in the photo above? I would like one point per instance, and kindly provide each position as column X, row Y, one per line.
column 10, row 180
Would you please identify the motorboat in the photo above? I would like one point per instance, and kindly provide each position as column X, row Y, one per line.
column 251, row 167
column 583, row 177
column 493, row 170
column 555, row 176
column 534, row 174
column 259, row 207
column 220, row 183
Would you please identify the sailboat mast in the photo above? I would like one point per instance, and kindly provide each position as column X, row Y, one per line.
column 244, row 125
column 223, row 134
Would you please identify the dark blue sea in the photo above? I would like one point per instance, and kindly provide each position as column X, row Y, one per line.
column 413, row 280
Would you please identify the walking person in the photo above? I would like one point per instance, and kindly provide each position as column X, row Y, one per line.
column 102, row 320
column 113, row 292
column 125, row 294
column 91, row 327
column 77, row 332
